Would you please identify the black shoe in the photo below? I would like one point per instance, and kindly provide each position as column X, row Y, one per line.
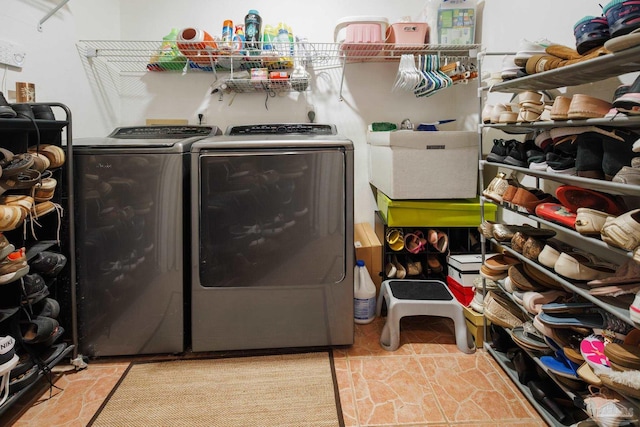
column 48, row 263
column 43, row 112
column 500, row 150
column 23, row 111
column 618, row 153
column 517, row 156
column 589, row 156
column 5, row 109
column 35, row 289
column 559, row 162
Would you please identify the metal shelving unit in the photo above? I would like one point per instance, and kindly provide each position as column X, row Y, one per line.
column 136, row 57
column 589, row 71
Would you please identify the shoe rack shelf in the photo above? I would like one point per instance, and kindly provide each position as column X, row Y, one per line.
column 589, row 71
column 17, row 135
column 460, row 242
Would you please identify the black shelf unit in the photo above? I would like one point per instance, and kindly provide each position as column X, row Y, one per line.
column 18, row 134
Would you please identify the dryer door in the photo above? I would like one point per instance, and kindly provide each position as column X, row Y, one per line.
column 272, row 218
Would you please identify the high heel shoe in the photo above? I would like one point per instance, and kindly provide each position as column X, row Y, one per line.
column 413, row 243
column 401, row 272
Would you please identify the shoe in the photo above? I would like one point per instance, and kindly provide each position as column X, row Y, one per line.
column 477, row 303
column 22, row 181
column 34, row 289
column 390, row 270
column 401, row 272
column 439, row 240
column 629, row 102
column 557, row 213
column 500, row 149
column 52, row 152
column 623, row 16
column 490, row 274
column 583, row 267
column 561, row 163
column 622, row 231
column 38, row 330
column 548, row 255
column 43, row 190
column 48, row 307
column 517, row 156
column 434, row 263
column 496, row 188
column 25, row 203
column 560, row 108
column 502, row 312
column 589, row 155
column 573, row 197
column 14, row 266
column 527, row 49
column 413, row 243
column 634, row 309
column 609, row 411
column 587, row 107
column 23, row 110
column 623, row 357
column 591, row 32
column 526, row 199
column 532, row 248
column 7, row 349
column 5, row 247
column 533, row 301
column 522, row 281
column 395, row 239
column 6, row 111
column 14, row 164
column 42, row 112
column 589, row 221
column 501, row 262
column 618, row 154
column 628, row 175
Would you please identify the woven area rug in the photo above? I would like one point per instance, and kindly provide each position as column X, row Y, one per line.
column 275, row 390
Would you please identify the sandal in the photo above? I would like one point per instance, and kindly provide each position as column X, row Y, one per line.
column 13, row 164
column 21, row 181
column 395, row 239
column 413, row 243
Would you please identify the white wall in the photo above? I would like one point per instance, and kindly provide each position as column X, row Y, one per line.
column 60, row 73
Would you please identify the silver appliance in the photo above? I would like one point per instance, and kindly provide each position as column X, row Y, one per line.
column 272, row 240
column 131, row 219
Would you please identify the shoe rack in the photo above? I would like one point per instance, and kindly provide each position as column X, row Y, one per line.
column 430, row 262
column 590, row 71
column 46, row 232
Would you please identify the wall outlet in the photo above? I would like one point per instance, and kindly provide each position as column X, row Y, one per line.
column 12, row 54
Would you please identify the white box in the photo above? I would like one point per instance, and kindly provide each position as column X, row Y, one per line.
column 464, row 269
column 406, row 164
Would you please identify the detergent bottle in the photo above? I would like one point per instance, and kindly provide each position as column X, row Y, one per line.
column 364, row 294
column 268, row 36
column 170, row 57
column 239, row 40
column 252, row 28
column 282, row 45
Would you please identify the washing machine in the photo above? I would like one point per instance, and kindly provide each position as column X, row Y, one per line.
column 132, row 216
column 272, row 238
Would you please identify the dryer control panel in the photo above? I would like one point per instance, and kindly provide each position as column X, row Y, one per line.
column 283, row 129
column 163, row 132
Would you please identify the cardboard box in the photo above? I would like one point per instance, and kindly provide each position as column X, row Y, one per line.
column 433, row 213
column 407, row 164
column 369, row 249
column 474, row 321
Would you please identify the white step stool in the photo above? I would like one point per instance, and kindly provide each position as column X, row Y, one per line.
column 420, row 298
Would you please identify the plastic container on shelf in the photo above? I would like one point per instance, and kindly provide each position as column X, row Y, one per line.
column 268, row 36
column 170, row 57
column 239, row 39
column 456, row 22
column 283, row 46
column 227, row 33
column 364, row 295
column 197, row 45
column 253, row 31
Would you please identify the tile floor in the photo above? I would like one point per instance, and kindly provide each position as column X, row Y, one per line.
column 426, row 382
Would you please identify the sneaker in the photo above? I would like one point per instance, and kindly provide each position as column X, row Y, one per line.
column 623, row 16
column 7, row 349
column 48, row 263
column 14, row 266
column 608, row 412
column 500, row 150
column 628, row 102
column 5, row 109
column 591, row 32
column 34, row 289
column 5, row 247
column 48, row 307
column 527, row 49
column 517, row 156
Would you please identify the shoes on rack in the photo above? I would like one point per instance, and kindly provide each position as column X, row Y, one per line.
column 401, row 272
column 34, row 289
column 14, row 164
column 44, row 190
column 560, row 108
column 623, row 16
column 39, row 330
column 439, row 240
column 590, row 221
column 5, row 246
column 618, row 154
column 526, row 49
column 526, row 199
column 573, row 197
column 622, row 231
column 500, row 150
column 517, row 156
column 22, row 181
column 591, row 32
column 561, row 163
column 583, row 267
column 629, row 101
column 48, row 307
column 14, row 266
column 557, row 213
column 628, row 175
column 395, row 239
column 500, row 262
column 53, row 153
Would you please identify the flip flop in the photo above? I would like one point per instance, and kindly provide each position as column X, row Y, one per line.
column 573, row 197
column 592, row 350
column 569, row 320
column 533, row 301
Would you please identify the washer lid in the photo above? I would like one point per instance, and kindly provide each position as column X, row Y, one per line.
column 282, row 129
column 163, row 132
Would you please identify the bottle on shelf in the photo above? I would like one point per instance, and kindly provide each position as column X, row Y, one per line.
column 268, row 36
column 170, row 57
column 283, row 46
column 364, row 295
column 227, row 33
column 252, row 27
column 239, row 39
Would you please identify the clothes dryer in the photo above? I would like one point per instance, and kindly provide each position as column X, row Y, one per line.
column 272, row 238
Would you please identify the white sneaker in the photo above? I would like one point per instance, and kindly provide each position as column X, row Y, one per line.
column 528, row 48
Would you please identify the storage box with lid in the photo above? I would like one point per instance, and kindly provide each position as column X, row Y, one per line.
column 408, row 34
column 465, row 268
column 432, row 213
column 361, row 35
column 408, row 164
